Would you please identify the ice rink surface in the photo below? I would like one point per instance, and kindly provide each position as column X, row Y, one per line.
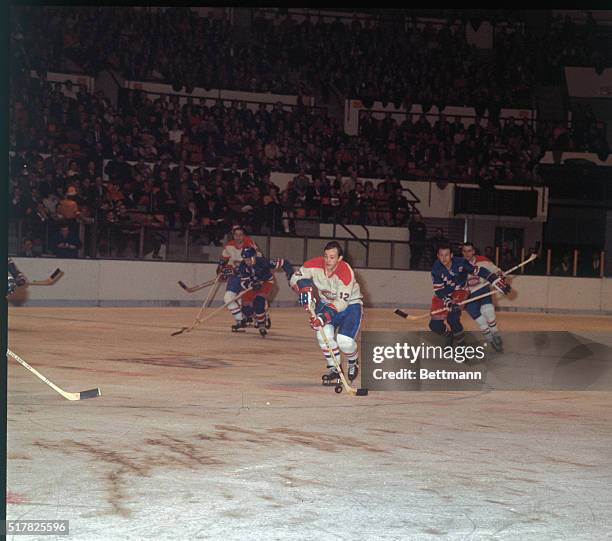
column 214, row 435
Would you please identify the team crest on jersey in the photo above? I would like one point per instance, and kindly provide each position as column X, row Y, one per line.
column 327, row 294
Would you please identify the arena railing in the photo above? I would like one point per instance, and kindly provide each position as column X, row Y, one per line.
column 146, row 242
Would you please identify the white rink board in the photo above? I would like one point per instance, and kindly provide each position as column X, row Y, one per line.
column 90, row 282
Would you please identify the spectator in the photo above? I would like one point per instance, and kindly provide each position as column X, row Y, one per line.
column 563, row 267
column 27, row 248
column 68, row 209
column 65, row 243
column 418, row 237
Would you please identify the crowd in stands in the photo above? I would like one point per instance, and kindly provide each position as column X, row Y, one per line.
column 393, row 59
column 64, row 146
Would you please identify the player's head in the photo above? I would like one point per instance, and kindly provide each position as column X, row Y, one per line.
column 248, row 255
column 444, row 254
column 333, row 254
column 238, row 234
column 467, row 250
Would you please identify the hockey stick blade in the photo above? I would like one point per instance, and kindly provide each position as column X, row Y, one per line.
column 57, row 274
column 181, row 331
column 362, row 392
column 197, row 287
column 400, row 313
column 90, row 393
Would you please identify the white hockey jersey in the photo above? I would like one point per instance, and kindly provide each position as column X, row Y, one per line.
column 232, row 254
column 340, row 289
column 474, row 282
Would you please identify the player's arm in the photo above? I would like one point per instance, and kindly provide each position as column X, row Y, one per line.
column 224, row 268
column 498, row 282
column 302, row 283
column 277, row 264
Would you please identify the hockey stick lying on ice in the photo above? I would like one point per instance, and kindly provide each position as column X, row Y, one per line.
column 57, row 274
column 350, row 390
column 403, row 314
column 197, row 287
column 198, row 321
column 91, row 393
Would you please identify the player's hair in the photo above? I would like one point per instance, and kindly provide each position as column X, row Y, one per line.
column 334, row 244
column 468, row 243
column 443, row 246
column 238, row 228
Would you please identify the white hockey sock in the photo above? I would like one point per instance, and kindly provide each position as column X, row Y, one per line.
column 237, row 313
column 484, row 328
column 329, row 358
column 488, row 311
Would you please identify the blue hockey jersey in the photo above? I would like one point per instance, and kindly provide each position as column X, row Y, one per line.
column 263, row 269
column 445, row 281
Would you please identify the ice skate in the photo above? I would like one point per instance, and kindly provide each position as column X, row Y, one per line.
column 261, row 327
column 239, row 326
column 353, row 370
column 497, row 343
column 331, row 377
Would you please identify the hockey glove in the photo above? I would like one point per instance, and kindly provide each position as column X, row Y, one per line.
column 227, row 271
column 305, row 297
column 20, row 279
column 323, row 317
column 450, row 305
column 499, row 283
column 12, row 285
column 256, row 285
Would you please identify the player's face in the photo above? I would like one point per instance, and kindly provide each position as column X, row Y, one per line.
column 238, row 236
column 467, row 252
column 250, row 261
column 331, row 259
column 444, row 257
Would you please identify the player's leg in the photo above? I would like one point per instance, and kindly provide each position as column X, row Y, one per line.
column 437, row 321
column 330, row 349
column 259, row 307
column 475, row 310
column 437, row 324
column 349, row 324
column 231, row 292
column 454, row 322
column 488, row 311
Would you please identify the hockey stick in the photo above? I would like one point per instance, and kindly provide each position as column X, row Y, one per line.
column 198, row 321
column 91, row 393
column 350, row 390
column 197, row 287
column 403, row 314
column 57, row 274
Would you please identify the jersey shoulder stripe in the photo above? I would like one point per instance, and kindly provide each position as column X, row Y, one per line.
column 344, row 272
column 315, row 263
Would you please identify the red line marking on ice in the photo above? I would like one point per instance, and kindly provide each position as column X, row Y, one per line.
column 13, row 497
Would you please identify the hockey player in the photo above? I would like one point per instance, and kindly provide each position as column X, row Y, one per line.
column 449, row 275
column 482, row 311
column 231, row 256
column 15, row 277
column 338, row 310
column 254, row 272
